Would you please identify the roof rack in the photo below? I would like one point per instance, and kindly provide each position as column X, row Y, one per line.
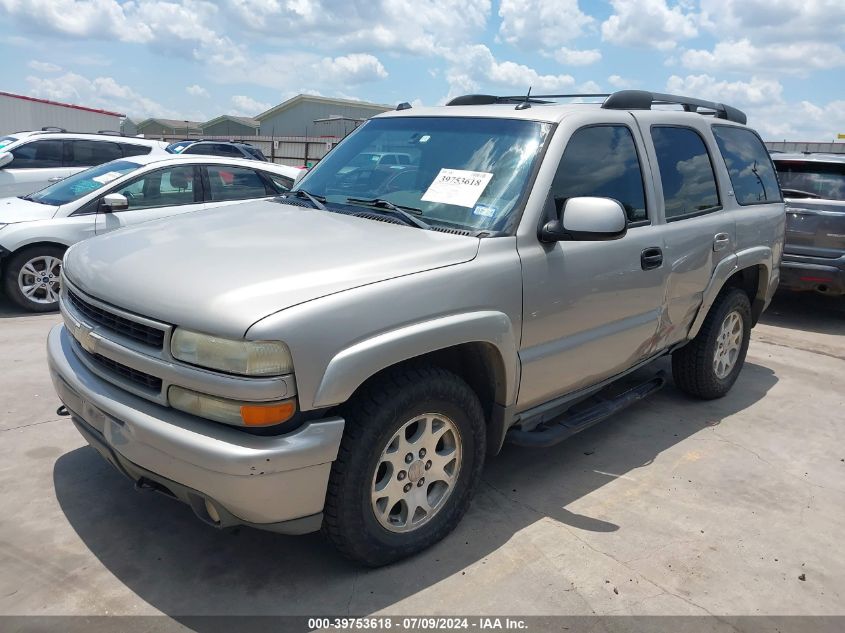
column 111, row 132
column 620, row 100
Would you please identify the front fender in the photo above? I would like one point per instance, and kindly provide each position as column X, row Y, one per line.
column 348, row 369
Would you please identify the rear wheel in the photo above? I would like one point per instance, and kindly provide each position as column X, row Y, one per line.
column 32, row 278
column 408, row 465
column 708, row 366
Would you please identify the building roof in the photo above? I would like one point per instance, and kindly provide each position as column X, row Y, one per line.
column 175, row 124
column 60, row 104
column 244, row 120
column 376, row 107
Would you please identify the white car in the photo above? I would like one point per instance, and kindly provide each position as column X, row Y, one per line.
column 36, row 229
column 30, row 161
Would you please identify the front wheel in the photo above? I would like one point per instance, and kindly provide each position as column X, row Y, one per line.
column 407, row 467
column 708, row 366
column 32, row 278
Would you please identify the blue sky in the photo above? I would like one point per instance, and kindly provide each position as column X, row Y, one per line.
column 780, row 60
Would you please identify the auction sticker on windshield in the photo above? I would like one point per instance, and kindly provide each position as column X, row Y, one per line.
column 107, row 177
column 458, row 187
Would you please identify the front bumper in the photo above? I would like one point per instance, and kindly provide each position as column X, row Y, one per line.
column 799, row 272
column 270, row 482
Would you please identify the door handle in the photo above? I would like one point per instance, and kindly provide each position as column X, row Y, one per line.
column 651, row 258
column 55, row 179
column 721, row 241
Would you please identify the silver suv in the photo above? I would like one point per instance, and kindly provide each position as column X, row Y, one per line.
column 348, row 355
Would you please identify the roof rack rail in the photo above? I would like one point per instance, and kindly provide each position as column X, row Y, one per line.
column 620, row 100
column 52, row 129
column 643, row 100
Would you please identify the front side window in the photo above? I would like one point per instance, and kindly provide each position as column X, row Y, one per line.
column 686, row 173
column 82, row 183
column 172, row 186
column 749, row 166
column 602, row 161
column 234, row 183
column 280, row 183
column 809, row 179
column 84, row 153
column 465, row 173
column 38, row 154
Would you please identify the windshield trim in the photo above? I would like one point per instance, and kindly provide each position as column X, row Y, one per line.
column 518, row 208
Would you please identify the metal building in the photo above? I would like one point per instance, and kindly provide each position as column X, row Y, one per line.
column 308, row 115
column 231, row 126
column 183, row 129
column 19, row 113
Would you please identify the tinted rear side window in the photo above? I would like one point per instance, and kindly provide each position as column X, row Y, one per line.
column 689, row 185
column 602, row 161
column 750, row 168
column 84, row 153
column 135, row 150
column 38, row 154
column 808, row 179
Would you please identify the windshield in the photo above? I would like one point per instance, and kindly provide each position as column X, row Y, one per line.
column 75, row 186
column 6, row 140
column 466, row 173
column 812, row 179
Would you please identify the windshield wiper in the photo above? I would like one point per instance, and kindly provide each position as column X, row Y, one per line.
column 29, row 198
column 317, row 201
column 387, row 205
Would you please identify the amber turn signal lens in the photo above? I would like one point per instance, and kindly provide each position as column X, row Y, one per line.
column 267, row 414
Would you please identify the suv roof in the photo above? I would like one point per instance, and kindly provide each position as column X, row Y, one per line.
column 545, row 108
column 118, row 138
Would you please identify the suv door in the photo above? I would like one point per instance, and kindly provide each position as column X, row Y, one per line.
column 35, row 165
column 591, row 308
column 700, row 231
column 156, row 194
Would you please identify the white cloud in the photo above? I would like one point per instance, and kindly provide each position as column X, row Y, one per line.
column 44, row 67
column 755, row 91
column 572, row 57
column 648, row 24
column 100, row 92
column 196, row 90
column 798, row 58
column 547, row 24
column 474, row 67
column 776, row 21
column 350, row 69
column 617, row 81
column 362, row 26
column 247, row 106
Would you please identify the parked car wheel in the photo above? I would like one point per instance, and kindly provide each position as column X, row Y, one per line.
column 408, row 465
column 708, row 366
column 32, row 278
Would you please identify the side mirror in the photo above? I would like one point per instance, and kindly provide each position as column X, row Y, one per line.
column 5, row 158
column 299, row 176
column 114, row 202
column 587, row 219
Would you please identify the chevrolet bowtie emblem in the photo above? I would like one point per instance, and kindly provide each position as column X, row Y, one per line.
column 83, row 334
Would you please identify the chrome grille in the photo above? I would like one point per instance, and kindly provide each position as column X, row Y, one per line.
column 145, row 334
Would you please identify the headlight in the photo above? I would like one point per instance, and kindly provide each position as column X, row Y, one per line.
column 231, row 411
column 247, row 358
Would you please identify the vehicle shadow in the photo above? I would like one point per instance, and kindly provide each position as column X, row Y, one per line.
column 183, row 568
column 807, row 311
column 8, row 310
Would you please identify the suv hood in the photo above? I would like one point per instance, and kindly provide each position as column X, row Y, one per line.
column 20, row 210
column 219, row 271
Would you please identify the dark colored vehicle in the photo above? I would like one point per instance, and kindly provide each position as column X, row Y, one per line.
column 813, row 186
column 217, row 148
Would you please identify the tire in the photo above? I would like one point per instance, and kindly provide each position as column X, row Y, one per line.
column 374, row 531
column 40, row 260
column 696, row 368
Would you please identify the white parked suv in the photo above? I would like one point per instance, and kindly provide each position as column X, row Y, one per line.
column 30, row 161
column 36, row 229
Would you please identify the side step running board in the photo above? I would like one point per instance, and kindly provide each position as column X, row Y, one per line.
column 568, row 424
